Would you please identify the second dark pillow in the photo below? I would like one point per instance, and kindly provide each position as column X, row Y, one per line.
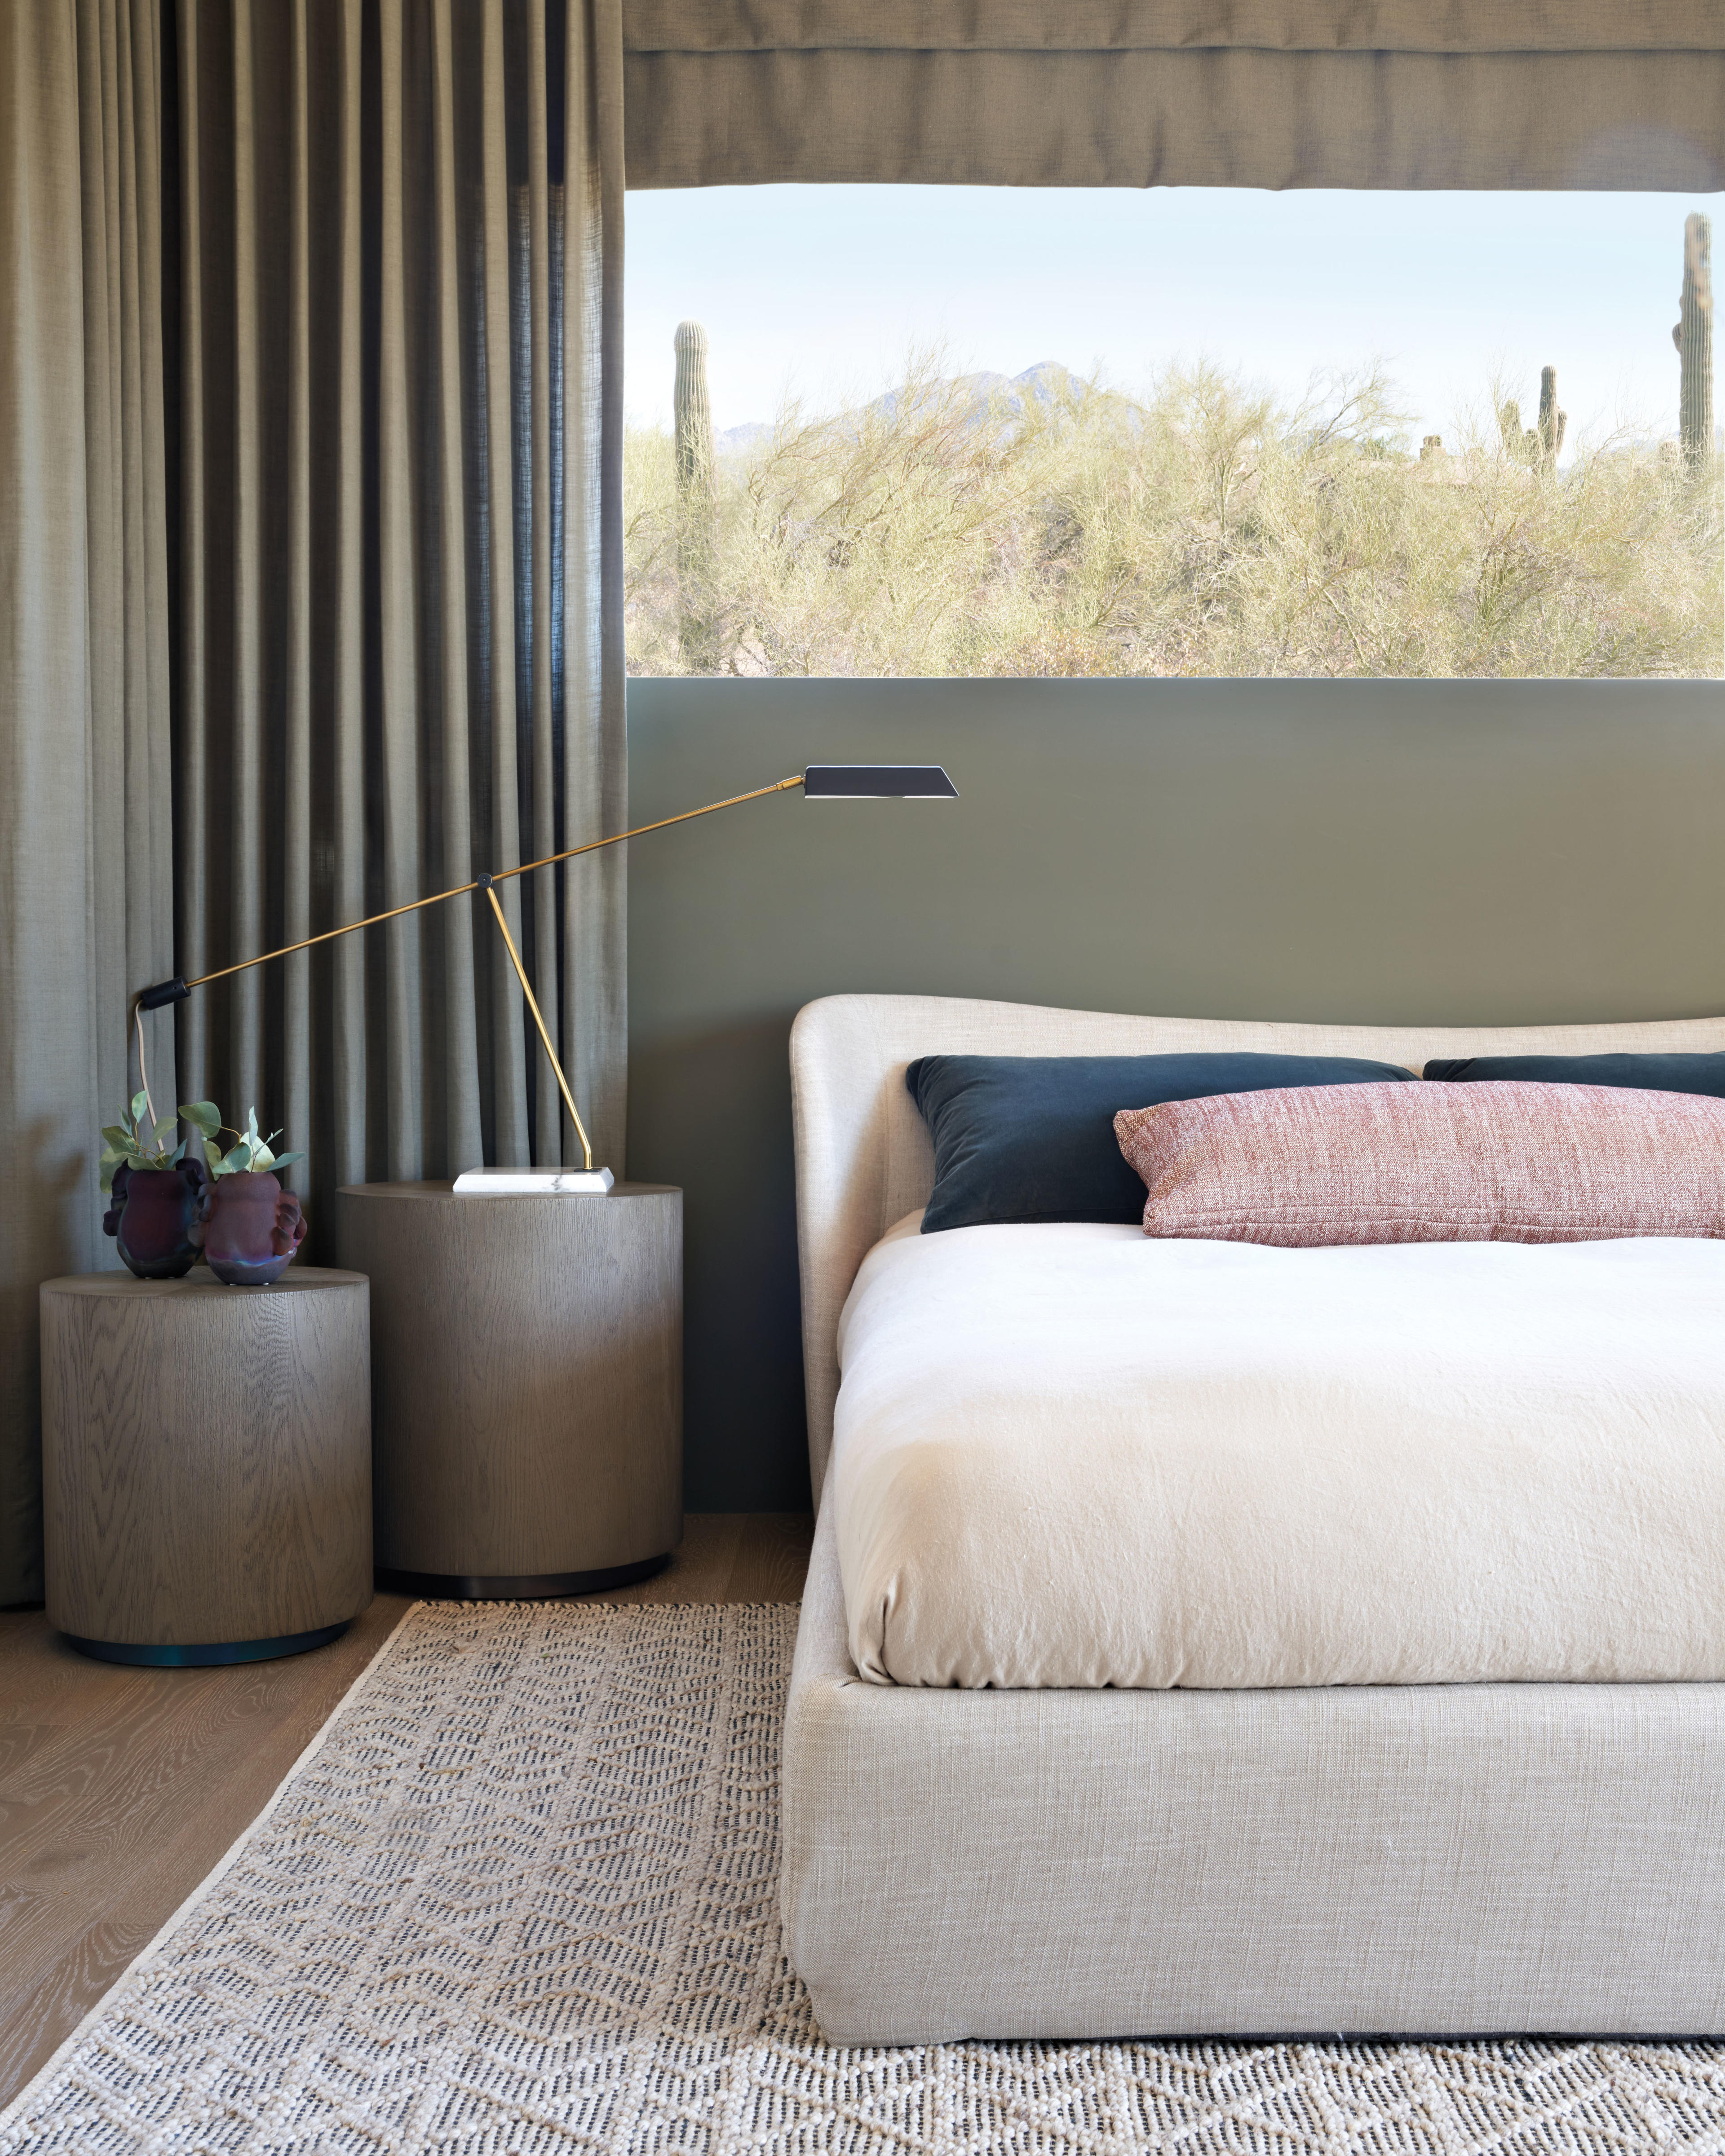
column 1679, row 1073
column 1031, row 1137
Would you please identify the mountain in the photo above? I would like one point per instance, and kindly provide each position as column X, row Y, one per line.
column 1037, row 385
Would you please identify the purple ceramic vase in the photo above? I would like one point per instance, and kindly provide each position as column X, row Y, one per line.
column 251, row 1229
column 153, row 1215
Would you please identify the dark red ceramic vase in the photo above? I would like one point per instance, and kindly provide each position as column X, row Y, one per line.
column 253, row 1228
column 153, row 1215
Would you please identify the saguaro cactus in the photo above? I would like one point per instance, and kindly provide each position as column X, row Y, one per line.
column 1552, row 423
column 1537, row 446
column 693, row 413
column 1693, row 337
column 1522, row 443
column 693, row 418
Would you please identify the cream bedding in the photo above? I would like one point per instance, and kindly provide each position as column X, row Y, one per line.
column 1074, row 1455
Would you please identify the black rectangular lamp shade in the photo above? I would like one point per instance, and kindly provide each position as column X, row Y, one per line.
column 874, row 782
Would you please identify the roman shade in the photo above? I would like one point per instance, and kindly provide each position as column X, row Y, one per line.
column 1506, row 94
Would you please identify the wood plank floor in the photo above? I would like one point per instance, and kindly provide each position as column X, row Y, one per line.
column 121, row 1789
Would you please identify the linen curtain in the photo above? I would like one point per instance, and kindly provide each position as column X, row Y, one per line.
column 400, row 644
column 86, row 867
column 1511, row 94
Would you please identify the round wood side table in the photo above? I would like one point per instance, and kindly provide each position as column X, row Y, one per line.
column 527, row 1385
column 206, row 1463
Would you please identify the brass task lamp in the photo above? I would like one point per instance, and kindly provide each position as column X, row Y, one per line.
column 820, row 782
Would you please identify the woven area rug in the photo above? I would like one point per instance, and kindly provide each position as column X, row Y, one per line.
column 521, row 1896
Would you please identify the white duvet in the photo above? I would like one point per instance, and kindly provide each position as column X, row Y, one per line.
column 1078, row 1455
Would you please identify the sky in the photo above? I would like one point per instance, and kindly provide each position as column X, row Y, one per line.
column 820, row 291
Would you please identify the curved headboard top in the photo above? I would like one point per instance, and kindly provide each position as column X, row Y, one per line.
column 864, row 1158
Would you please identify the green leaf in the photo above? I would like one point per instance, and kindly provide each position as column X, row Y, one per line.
column 212, row 1157
column 251, row 1125
column 107, row 1175
column 282, row 1159
column 237, row 1160
column 116, row 1134
column 203, row 1115
column 164, row 1133
column 140, row 1101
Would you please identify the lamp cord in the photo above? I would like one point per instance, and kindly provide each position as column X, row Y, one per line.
column 137, row 1013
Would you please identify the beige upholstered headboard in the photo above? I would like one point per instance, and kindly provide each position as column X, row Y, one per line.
column 863, row 1156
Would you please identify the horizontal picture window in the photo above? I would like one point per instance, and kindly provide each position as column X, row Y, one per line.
column 897, row 431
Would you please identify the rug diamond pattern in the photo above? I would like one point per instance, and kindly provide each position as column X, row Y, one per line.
column 524, row 1899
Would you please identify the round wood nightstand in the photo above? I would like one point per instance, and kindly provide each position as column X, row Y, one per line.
column 527, row 1385
column 206, row 1463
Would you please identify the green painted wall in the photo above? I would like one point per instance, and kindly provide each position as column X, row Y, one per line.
column 1353, row 851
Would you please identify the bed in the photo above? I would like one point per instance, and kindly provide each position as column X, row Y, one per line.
column 1089, row 1753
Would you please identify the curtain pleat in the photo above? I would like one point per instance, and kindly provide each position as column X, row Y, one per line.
column 531, row 286
column 393, row 675
column 1507, row 94
column 130, row 917
column 85, row 876
column 494, row 362
column 297, row 824
column 586, row 672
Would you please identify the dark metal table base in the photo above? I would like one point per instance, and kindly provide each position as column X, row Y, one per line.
column 518, row 1587
column 204, row 1657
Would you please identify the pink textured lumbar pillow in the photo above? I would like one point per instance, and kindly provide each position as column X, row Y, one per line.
column 1491, row 1163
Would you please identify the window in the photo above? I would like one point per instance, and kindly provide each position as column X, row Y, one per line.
column 986, row 431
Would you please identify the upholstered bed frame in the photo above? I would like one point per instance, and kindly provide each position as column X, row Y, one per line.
column 1453, row 1859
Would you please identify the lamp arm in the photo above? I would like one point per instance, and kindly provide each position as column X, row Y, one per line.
column 162, row 993
column 486, row 885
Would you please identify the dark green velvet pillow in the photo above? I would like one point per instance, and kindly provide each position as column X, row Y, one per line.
column 1031, row 1137
column 1653, row 1074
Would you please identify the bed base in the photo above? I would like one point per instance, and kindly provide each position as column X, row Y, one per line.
column 1437, row 1859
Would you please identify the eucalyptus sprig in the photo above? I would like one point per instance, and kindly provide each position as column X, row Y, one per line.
column 251, row 1151
column 131, row 1143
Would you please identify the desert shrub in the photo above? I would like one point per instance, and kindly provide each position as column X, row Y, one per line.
column 1205, row 529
